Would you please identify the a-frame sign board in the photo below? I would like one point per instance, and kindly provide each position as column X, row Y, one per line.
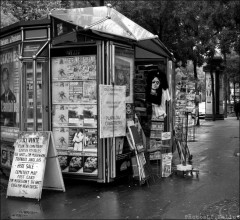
column 35, row 166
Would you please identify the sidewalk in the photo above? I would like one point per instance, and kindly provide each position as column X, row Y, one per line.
column 214, row 194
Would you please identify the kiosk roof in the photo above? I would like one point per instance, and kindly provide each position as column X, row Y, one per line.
column 103, row 19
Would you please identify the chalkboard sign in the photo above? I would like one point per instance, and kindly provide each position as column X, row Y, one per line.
column 35, row 166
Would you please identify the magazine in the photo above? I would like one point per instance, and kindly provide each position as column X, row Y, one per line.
column 60, row 136
column 136, row 138
column 60, row 92
column 89, row 116
column 157, row 126
column 60, row 115
column 90, row 139
column 84, row 67
column 75, row 115
column 90, row 164
column 75, row 163
column 60, row 70
column 75, row 91
column 63, row 159
column 90, row 92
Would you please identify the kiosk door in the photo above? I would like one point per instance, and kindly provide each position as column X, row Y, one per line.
column 35, row 96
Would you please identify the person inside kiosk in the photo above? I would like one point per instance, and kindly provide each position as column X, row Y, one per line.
column 157, row 93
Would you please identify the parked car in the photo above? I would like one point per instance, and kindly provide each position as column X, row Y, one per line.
column 202, row 109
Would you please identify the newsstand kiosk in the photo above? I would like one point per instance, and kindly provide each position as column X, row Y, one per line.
column 24, row 56
column 89, row 50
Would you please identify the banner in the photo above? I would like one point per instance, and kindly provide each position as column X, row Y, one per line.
column 112, row 111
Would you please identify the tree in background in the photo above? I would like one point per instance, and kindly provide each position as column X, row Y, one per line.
column 232, row 72
column 25, row 10
column 191, row 30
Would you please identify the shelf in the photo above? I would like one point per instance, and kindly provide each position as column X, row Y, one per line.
column 80, row 171
column 74, row 126
column 83, row 153
column 74, row 103
column 72, row 80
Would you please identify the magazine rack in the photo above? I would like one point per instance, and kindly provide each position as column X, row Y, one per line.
column 161, row 149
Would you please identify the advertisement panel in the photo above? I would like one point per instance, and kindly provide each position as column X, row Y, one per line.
column 9, row 89
column 124, row 67
column 208, row 94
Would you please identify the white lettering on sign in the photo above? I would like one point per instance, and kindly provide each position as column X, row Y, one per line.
column 28, row 165
column 10, row 39
column 9, row 57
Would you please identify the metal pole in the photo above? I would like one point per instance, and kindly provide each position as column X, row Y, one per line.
column 34, row 95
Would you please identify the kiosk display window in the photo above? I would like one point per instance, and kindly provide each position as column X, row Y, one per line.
column 74, row 118
column 124, row 67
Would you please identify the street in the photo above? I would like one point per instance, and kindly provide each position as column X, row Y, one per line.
column 213, row 195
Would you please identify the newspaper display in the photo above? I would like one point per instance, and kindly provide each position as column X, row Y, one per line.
column 75, row 113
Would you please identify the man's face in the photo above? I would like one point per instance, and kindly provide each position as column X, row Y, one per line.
column 5, row 81
column 155, row 83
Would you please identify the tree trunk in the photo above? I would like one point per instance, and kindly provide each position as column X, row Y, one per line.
column 229, row 91
column 213, row 93
column 234, row 93
column 225, row 87
column 197, row 92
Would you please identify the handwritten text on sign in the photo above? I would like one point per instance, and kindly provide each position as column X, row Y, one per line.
column 26, row 178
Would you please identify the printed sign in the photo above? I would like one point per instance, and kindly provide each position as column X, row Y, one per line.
column 166, row 164
column 112, row 111
column 34, row 151
column 166, row 135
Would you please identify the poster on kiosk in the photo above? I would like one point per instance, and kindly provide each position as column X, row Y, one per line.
column 112, row 111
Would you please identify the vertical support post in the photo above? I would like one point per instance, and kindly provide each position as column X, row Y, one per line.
column 34, row 95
